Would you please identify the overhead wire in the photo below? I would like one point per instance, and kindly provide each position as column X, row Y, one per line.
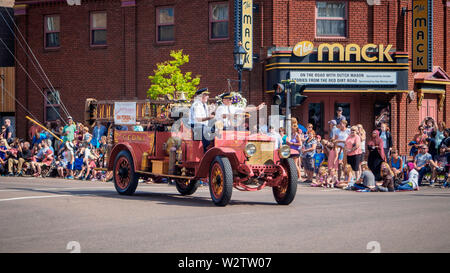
column 37, row 86
column 32, row 53
column 40, row 70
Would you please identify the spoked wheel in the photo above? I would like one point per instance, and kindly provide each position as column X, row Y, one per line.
column 125, row 178
column 221, row 181
column 186, row 187
column 285, row 193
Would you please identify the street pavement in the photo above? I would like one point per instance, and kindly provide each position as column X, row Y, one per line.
column 55, row 215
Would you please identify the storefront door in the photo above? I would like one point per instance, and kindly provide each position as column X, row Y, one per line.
column 428, row 109
column 318, row 109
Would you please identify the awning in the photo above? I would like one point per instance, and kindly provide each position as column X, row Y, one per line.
column 437, row 76
column 431, row 83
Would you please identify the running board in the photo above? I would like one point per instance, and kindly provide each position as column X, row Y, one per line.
column 166, row 175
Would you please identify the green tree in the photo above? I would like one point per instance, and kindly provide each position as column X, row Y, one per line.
column 169, row 79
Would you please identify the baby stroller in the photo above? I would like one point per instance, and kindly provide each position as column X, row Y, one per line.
column 77, row 166
column 50, row 171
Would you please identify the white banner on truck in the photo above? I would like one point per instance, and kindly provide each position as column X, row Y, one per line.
column 125, row 113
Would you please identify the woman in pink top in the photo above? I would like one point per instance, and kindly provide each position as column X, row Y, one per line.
column 353, row 149
column 333, row 151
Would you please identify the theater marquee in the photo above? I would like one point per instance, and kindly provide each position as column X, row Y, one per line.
column 338, row 67
column 344, row 78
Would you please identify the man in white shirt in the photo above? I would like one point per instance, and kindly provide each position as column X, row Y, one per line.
column 226, row 111
column 199, row 116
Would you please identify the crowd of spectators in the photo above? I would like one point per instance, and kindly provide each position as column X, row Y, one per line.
column 346, row 159
column 351, row 160
column 73, row 151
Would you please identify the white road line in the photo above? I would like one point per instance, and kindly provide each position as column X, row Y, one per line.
column 35, row 197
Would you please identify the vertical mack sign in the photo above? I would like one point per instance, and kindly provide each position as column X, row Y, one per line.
column 247, row 32
column 422, row 32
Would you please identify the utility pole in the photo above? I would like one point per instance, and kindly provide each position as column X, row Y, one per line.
column 287, row 89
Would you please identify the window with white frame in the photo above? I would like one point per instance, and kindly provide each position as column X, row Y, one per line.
column 52, row 105
column 331, row 19
column 165, row 23
column 98, row 28
column 51, row 31
column 218, row 20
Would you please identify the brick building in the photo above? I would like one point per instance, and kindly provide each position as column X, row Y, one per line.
column 106, row 49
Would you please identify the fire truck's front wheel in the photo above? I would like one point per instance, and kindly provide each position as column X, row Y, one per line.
column 125, row 178
column 221, row 181
column 285, row 193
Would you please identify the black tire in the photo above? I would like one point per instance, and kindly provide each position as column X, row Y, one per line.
column 285, row 195
column 125, row 178
column 186, row 188
column 221, row 181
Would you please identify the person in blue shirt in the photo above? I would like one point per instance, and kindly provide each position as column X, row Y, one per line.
column 319, row 157
column 422, row 162
column 38, row 138
column 97, row 133
column 3, row 155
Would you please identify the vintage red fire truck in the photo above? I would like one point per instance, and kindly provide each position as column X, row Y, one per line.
column 237, row 159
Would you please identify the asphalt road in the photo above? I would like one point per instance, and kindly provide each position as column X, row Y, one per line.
column 53, row 215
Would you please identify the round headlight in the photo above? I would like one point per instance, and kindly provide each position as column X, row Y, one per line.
column 250, row 149
column 284, row 151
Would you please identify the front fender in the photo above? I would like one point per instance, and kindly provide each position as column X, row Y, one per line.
column 202, row 170
column 117, row 149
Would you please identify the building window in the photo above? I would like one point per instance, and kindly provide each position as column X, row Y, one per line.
column 52, row 105
column 98, row 28
column 218, row 20
column 165, row 23
column 51, row 30
column 331, row 19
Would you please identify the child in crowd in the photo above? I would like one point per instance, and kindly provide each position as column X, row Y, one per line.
column 396, row 164
column 322, row 178
column 349, row 178
column 70, row 159
column 61, row 163
column 413, row 180
column 332, row 150
column 319, row 157
column 387, row 177
column 333, row 180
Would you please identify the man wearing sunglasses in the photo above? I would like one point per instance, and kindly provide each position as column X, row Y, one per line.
column 422, row 162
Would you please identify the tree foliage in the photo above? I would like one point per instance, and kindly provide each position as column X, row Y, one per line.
column 169, row 79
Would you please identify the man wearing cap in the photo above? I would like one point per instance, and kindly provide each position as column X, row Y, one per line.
column 199, row 116
column 69, row 130
column 339, row 117
column 333, row 129
column 225, row 111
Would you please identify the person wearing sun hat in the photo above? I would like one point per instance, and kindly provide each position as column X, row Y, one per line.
column 199, row 115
